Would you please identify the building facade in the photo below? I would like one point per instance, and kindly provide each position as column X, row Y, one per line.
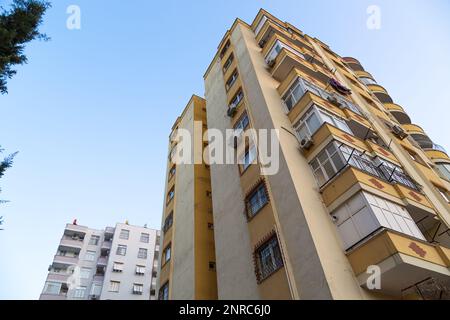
column 188, row 263
column 118, row 263
column 360, row 190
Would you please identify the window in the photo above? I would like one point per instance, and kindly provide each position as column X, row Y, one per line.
column 249, row 157
column 79, row 293
column 444, row 194
column 96, row 289
column 138, row 288
column 237, row 99
column 166, row 254
column 256, row 200
column 121, row 250
column 117, row 267
column 329, row 162
column 277, row 47
column 231, row 80
column 124, row 234
column 367, row 81
column 298, row 89
column 145, row 237
column 228, row 63
column 90, row 255
column 172, row 171
column 225, row 48
column 313, row 120
column 140, row 270
column 268, row 258
column 142, row 254
column 242, row 123
column 168, row 222
column 365, row 213
column 164, row 292
column 94, row 240
column 260, row 24
column 52, row 288
column 171, row 194
column 444, row 169
column 114, row 286
column 85, row 273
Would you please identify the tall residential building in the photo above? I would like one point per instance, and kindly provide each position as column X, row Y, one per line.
column 360, row 189
column 118, row 263
column 188, row 262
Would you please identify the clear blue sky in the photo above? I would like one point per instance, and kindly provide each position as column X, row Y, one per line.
column 91, row 112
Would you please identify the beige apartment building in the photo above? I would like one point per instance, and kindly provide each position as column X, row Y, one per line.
column 361, row 191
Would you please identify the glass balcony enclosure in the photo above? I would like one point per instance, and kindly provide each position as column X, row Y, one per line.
column 365, row 213
column 301, row 86
column 314, row 118
column 367, row 81
column 277, row 47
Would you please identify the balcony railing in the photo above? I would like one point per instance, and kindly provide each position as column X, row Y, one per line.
column 436, row 147
column 382, row 171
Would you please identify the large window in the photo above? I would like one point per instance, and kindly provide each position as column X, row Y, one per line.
column 228, row 63
column 118, row 267
column 256, row 200
column 90, row 255
column 85, row 273
column 168, row 222
column 268, row 258
column 142, row 254
column 145, row 237
column 140, row 270
column 167, row 254
column 114, row 286
column 232, row 80
column 242, row 123
column 124, row 234
column 79, row 293
column 313, row 120
column 277, row 47
column 237, row 99
column 260, row 24
column 365, row 213
column 249, row 157
column 444, row 169
column 327, row 163
column 94, row 240
column 138, row 288
column 171, row 194
column 52, row 288
column 121, row 250
column 164, row 292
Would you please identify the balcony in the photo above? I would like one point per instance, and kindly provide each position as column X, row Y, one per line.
column 61, row 296
column 418, row 134
column 72, row 242
column 398, row 112
column 380, row 93
column 286, row 61
column 364, row 74
column 106, row 245
column 58, row 276
column 65, row 260
column 354, row 64
column 436, row 152
column 102, row 261
column 76, row 228
column 404, row 261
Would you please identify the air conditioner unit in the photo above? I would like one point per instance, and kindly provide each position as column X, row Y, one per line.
column 333, row 98
column 271, row 63
column 262, row 43
column 306, row 143
column 399, row 132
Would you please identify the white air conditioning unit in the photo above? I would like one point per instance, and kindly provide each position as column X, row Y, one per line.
column 399, row 132
column 306, row 143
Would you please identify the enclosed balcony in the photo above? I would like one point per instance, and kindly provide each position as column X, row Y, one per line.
column 67, row 255
column 75, row 228
column 72, row 240
column 380, row 93
column 404, row 261
column 398, row 112
column 436, row 152
column 282, row 59
column 418, row 134
column 353, row 63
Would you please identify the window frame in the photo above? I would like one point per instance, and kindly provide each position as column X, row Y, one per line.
column 145, row 237
column 232, row 80
column 142, row 253
column 275, row 256
column 124, row 234
column 123, row 248
column 260, row 191
column 164, row 292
